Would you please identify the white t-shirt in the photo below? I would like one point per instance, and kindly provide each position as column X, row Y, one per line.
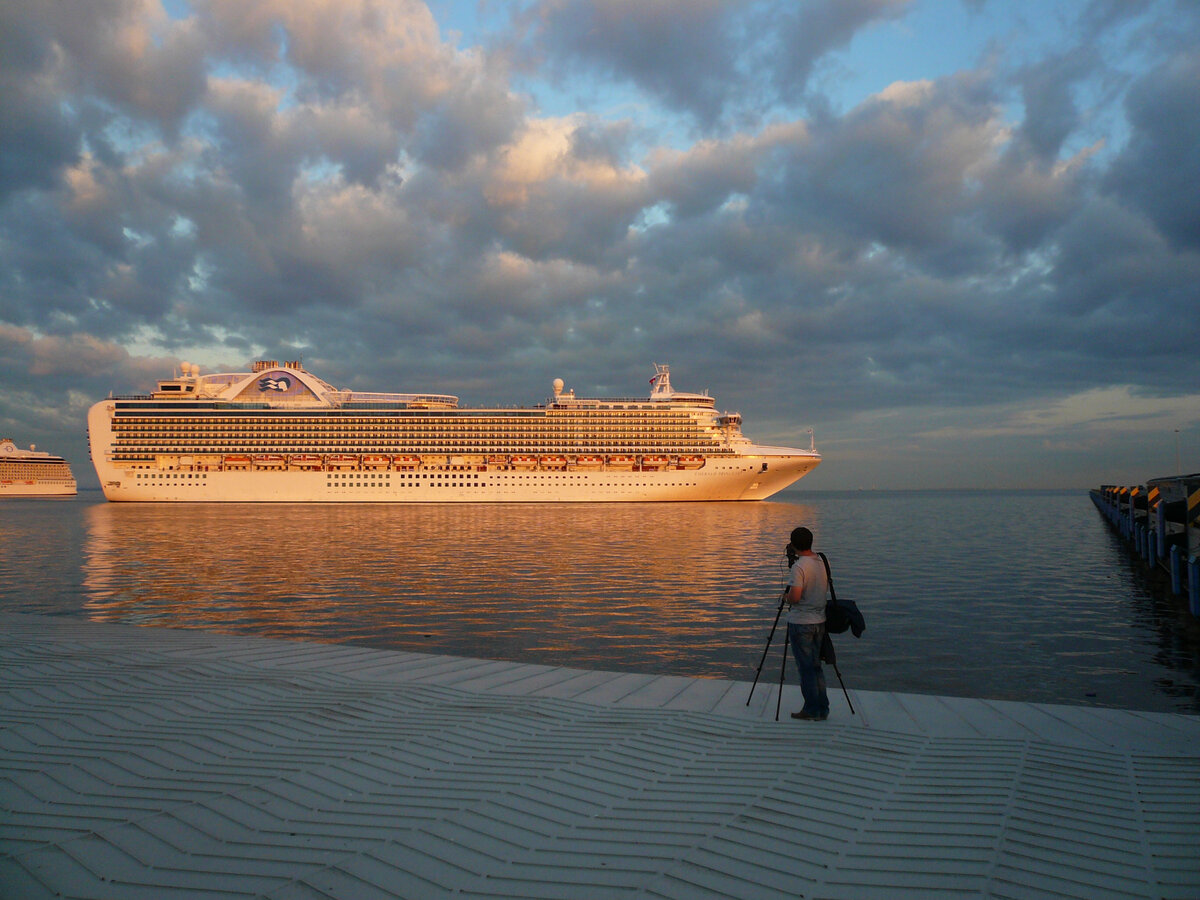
column 808, row 574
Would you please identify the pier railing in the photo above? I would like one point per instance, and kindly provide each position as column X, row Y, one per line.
column 1160, row 520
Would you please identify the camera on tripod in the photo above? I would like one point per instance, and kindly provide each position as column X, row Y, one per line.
column 792, row 555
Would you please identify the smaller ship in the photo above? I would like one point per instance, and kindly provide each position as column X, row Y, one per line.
column 33, row 473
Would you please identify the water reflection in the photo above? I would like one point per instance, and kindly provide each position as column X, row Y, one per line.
column 648, row 587
column 1020, row 595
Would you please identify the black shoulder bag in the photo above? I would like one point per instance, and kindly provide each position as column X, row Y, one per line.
column 841, row 615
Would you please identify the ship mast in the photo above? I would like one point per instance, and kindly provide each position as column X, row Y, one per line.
column 661, row 382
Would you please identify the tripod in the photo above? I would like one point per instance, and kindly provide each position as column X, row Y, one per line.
column 766, row 649
column 827, row 655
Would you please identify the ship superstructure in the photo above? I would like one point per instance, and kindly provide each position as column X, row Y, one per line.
column 33, row 473
column 280, row 433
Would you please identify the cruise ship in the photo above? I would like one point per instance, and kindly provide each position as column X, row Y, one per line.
column 281, row 434
column 33, row 473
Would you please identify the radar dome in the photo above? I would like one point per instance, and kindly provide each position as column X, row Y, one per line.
column 558, row 385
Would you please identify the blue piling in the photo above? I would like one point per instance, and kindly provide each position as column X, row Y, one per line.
column 1160, row 524
column 1194, row 585
column 1160, row 529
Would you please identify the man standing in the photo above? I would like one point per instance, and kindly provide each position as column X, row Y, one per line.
column 806, row 596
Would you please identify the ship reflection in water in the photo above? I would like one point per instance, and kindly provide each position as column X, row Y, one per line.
column 1010, row 595
column 681, row 588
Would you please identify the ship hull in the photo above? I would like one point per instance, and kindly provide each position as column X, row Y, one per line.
column 726, row 479
column 36, row 489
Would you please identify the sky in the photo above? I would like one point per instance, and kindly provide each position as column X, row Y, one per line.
column 957, row 239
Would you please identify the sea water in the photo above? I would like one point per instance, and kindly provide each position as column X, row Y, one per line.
column 1019, row 595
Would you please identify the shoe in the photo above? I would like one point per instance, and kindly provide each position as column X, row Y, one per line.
column 809, row 717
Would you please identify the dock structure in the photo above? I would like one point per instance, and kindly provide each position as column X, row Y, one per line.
column 1160, row 521
column 156, row 763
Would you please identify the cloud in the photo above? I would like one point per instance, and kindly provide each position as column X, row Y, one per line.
column 979, row 244
column 387, row 56
column 63, row 358
column 675, row 52
column 716, row 60
column 1116, row 408
column 707, row 174
column 1047, row 91
column 902, row 168
column 1160, row 168
column 808, row 32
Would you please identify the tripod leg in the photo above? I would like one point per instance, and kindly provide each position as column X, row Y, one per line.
column 770, row 638
column 844, row 691
column 782, row 668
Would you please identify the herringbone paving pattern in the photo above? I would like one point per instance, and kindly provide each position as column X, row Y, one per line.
column 141, row 763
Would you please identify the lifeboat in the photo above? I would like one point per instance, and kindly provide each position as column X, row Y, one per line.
column 341, row 461
column 620, row 461
column 269, row 461
column 553, row 462
column 236, row 462
column 690, row 462
column 375, row 461
column 589, row 462
column 406, row 462
column 306, row 461
column 654, row 462
column 523, row 462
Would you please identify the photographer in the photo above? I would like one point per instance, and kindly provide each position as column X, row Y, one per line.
column 808, row 587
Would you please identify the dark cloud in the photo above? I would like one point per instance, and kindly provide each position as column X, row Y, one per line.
column 1048, row 92
column 702, row 57
column 38, row 138
column 1159, row 171
column 807, row 32
column 706, row 176
column 677, row 52
column 142, row 64
column 901, row 170
column 1100, row 16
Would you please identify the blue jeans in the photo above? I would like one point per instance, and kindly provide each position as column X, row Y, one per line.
column 806, row 647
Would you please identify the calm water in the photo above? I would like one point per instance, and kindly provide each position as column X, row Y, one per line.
column 1012, row 595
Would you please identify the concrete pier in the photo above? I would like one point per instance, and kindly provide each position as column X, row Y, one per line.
column 153, row 763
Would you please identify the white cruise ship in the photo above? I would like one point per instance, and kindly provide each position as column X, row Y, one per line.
column 33, row 473
column 280, row 433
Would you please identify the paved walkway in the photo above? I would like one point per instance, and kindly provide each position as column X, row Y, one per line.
column 153, row 763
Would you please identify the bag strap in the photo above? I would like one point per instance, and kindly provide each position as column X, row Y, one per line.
column 828, row 577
